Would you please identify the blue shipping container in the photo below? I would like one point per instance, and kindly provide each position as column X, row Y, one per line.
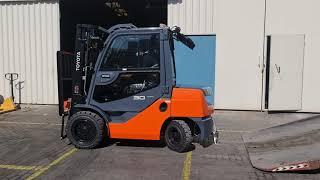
column 197, row 67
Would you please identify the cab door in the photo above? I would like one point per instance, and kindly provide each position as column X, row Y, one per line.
column 129, row 76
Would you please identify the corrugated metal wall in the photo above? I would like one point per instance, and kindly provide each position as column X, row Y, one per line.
column 29, row 40
column 193, row 16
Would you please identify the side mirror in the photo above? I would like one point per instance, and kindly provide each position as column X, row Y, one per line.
column 186, row 40
column 182, row 38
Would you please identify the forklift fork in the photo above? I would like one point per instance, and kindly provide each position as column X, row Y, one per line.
column 62, row 134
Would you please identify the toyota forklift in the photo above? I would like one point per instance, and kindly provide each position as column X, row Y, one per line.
column 120, row 84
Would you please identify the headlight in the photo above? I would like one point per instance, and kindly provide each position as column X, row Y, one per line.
column 207, row 91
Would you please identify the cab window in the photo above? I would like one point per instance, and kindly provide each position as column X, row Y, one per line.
column 133, row 52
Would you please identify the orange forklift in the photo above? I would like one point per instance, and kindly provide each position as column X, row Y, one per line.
column 120, row 84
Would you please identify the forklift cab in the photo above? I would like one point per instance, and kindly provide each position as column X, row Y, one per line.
column 134, row 68
column 130, row 73
column 123, row 87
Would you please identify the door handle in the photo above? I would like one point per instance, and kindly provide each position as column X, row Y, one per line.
column 277, row 68
column 11, row 76
column 105, row 76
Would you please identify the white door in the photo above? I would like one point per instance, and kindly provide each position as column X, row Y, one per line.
column 239, row 26
column 286, row 72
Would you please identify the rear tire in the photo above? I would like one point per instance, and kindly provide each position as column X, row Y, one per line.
column 86, row 130
column 178, row 136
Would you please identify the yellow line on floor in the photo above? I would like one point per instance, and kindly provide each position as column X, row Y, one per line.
column 14, row 167
column 233, row 131
column 28, row 123
column 187, row 166
column 55, row 162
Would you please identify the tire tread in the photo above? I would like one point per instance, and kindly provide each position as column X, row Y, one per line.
column 188, row 136
column 101, row 130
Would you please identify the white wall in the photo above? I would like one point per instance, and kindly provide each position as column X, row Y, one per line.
column 240, row 27
column 193, row 16
column 29, row 40
column 300, row 17
column 240, row 36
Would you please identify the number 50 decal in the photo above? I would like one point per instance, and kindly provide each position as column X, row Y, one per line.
column 139, row 98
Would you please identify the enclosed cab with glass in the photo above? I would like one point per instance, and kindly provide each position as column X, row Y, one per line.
column 123, row 87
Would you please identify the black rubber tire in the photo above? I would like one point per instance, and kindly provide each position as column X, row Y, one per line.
column 1, row 100
column 185, row 139
column 97, row 125
column 208, row 141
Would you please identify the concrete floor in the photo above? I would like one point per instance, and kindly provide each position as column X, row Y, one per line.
column 30, row 148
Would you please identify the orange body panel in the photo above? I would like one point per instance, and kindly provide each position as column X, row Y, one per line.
column 189, row 103
column 147, row 124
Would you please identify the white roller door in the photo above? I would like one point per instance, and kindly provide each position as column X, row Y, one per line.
column 29, row 40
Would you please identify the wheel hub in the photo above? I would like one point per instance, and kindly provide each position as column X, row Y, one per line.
column 174, row 136
column 84, row 131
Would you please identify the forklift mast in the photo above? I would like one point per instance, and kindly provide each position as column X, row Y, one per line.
column 88, row 44
column 75, row 69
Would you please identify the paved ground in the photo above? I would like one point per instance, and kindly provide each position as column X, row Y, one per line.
column 30, row 148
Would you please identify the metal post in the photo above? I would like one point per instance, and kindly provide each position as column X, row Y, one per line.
column 11, row 84
column 19, row 87
column 11, row 77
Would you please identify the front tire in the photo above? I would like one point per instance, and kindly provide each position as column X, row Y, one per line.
column 178, row 136
column 86, row 130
